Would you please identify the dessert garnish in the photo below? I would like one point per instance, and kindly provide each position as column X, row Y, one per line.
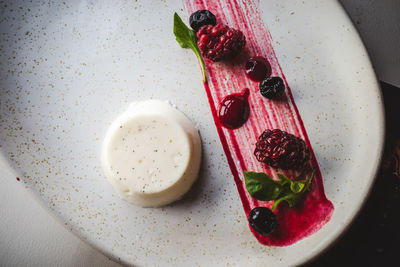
column 233, row 111
column 262, row 220
column 216, row 43
column 277, row 150
column 272, row 87
column 220, row 42
column 200, row 18
column 282, row 150
column 262, row 187
column 257, row 68
column 187, row 39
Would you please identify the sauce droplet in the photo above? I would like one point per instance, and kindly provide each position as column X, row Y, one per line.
column 233, row 111
column 257, row 68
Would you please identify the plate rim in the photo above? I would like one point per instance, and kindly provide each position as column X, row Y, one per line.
column 381, row 119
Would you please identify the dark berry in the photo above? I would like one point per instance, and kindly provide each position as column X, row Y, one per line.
column 262, row 220
column 201, row 18
column 257, row 68
column 220, row 42
column 272, row 87
column 283, row 150
column 233, row 111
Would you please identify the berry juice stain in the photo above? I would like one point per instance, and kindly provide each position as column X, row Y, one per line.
column 233, row 111
column 257, row 68
column 315, row 210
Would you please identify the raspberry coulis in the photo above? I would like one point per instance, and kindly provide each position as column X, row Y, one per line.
column 257, row 68
column 233, row 111
column 293, row 224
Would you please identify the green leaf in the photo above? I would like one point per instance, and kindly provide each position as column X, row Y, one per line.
column 182, row 32
column 261, row 186
column 187, row 39
column 283, row 179
column 291, row 198
column 296, row 187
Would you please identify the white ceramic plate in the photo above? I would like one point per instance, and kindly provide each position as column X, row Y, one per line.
column 68, row 68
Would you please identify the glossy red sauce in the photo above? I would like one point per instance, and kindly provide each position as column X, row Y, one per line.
column 233, row 111
column 315, row 210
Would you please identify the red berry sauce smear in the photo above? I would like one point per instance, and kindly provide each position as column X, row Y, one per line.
column 233, row 111
column 257, row 68
column 293, row 224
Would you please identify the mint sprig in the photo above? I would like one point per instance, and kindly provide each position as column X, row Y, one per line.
column 187, row 39
column 263, row 187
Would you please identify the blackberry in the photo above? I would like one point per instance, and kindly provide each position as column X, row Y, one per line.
column 282, row 150
column 220, row 42
column 272, row 87
column 200, row 18
column 262, row 220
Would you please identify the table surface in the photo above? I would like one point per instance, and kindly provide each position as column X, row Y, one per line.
column 30, row 236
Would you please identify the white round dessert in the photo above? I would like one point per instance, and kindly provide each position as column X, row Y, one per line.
column 151, row 154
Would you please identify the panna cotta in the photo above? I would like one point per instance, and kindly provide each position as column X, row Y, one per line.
column 151, row 154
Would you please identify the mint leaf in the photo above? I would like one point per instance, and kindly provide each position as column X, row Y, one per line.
column 187, row 39
column 283, row 179
column 295, row 186
column 184, row 36
column 291, row 198
column 261, row 186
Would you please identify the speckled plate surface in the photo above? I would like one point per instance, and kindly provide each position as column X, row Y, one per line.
column 68, row 68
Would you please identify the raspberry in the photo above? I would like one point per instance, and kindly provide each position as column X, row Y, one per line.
column 283, row 150
column 220, row 42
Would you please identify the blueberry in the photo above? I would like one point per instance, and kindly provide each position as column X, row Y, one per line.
column 201, row 18
column 272, row 87
column 262, row 220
